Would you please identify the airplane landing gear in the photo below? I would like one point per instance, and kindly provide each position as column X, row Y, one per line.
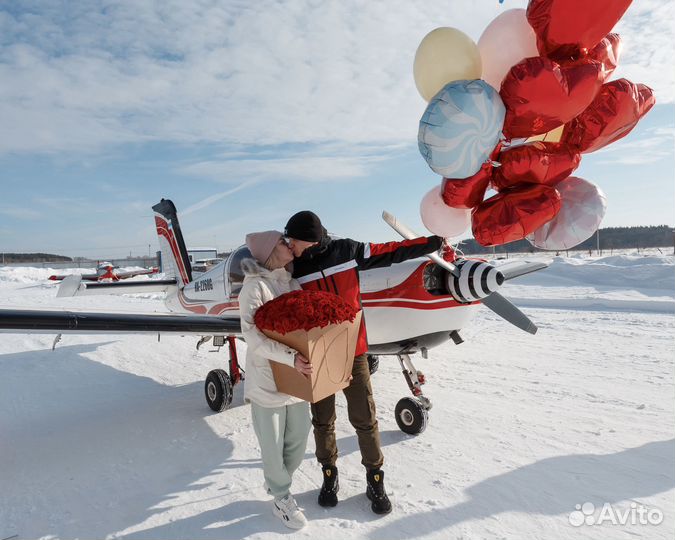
column 218, row 390
column 373, row 363
column 411, row 416
column 219, row 385
column 412, row 413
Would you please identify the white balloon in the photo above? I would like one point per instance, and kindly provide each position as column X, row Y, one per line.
column 582, row 207
column 441, row 219
column 506, row 41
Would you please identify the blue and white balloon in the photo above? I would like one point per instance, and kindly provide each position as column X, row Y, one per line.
column 461, row 127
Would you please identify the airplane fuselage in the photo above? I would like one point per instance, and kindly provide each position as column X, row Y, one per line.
column 396, row 304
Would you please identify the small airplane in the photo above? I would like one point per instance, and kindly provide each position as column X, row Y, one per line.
column 409, row 307
column 106, row 271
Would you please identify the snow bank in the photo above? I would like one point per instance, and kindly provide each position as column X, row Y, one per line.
column 619, row 282
column 28, row 274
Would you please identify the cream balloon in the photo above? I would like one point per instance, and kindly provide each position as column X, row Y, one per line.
column 550, row 136
column 506, row 41
column 441, row 219
column 445, row 55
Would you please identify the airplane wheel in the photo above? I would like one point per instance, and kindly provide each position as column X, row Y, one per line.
column 218, row 390
column 411, row 416
column 373, row 363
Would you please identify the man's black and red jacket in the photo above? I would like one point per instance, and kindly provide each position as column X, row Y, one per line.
column 333, row 265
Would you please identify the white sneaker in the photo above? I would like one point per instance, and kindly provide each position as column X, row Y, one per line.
column 287, row 510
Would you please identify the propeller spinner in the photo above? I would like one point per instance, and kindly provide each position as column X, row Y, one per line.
column 476, row 280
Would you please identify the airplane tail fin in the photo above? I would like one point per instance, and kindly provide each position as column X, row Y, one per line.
column 174, row 253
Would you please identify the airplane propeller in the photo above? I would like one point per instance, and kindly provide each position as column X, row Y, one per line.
column 494, row 301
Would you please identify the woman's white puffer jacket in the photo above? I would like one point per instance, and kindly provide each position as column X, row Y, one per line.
column 262, row 285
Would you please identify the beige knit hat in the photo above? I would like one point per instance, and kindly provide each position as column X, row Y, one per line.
column 261, row 244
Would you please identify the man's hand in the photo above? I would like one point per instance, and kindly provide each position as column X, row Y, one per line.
column 302, row 365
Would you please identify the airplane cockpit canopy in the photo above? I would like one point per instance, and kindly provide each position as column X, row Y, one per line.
column 234, row 272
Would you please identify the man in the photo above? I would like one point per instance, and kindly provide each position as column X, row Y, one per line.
column 324, row 264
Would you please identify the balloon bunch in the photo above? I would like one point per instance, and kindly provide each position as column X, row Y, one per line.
column 551, row 64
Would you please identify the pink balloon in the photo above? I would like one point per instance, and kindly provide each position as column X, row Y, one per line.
column 507, row 40
column 441, row 219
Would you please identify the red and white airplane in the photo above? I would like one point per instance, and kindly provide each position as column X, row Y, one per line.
column 106, row 271
column 409, row 308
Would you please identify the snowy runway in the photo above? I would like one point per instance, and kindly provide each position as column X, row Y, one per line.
column 110, row 436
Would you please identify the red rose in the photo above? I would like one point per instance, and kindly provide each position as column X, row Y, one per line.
column 303, row 310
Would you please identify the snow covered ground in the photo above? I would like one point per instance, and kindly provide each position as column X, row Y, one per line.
column 110, row 436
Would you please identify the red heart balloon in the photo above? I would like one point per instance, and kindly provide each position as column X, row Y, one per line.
column 607, row 53
column 513, row 214
column 540, row 94
column 614, row 112
column 537, row 163
column 467, row 192
column 568, row 28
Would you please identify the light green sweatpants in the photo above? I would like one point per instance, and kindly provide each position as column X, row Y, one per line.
column 282, row 433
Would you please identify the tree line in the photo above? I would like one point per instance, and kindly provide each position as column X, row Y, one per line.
column 32, row 257
column 610, row 238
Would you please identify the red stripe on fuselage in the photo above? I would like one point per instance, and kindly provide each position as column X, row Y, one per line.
column 221, row 308
column 197, row 308
column 447, row 304
column 405, row 293
column 201, row 308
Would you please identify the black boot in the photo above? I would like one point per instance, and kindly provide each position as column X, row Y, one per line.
column 376, row 493
column 330, row 487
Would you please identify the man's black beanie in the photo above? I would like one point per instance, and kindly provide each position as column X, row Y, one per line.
column 305, row 226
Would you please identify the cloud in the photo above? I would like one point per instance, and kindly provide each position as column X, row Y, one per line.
column 204, row 203
column 648, row 47
column 655, row 145
column 312, row 166
column 85, row 77
column 19, row 213
column 64, row 204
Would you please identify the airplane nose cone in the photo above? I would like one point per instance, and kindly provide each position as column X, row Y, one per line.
column 492, row 278
column 477, row 280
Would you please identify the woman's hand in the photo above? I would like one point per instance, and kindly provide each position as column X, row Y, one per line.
column 302, row 365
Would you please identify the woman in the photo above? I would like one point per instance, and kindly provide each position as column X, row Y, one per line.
column 281, row 422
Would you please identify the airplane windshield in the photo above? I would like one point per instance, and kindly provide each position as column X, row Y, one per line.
column 235, row 273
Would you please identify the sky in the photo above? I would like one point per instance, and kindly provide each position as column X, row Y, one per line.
column 244, row 112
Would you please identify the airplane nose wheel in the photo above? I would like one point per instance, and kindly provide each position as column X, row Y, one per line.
column 411, row 416
column 218, row 390
column 412, row 413
column 373, row 363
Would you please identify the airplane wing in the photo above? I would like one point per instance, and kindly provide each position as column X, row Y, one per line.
column 514, row 269
column 73, row 286
column 132, row 273
column 73, row 322
column 88, row 277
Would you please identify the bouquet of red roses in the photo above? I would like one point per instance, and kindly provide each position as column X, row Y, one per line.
column 303, row 310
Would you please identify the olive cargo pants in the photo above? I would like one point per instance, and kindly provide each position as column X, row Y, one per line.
column 361, row 412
